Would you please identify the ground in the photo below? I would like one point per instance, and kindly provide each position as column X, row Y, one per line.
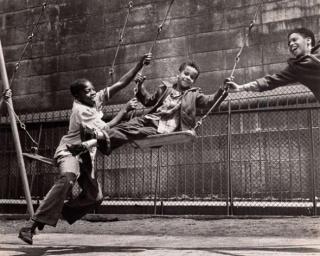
column 149, row 235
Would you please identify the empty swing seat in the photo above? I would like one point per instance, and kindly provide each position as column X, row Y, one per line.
column 40, row 158
column 158, row 140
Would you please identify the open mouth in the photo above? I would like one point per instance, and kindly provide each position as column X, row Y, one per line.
column 294, row 49
column 186, row 82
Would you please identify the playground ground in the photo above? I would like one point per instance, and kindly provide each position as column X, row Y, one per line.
column 171, row 235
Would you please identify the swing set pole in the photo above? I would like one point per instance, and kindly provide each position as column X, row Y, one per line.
column 16, row 138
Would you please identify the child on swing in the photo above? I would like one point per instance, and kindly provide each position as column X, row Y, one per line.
column 171, row 108
column 87, row 109
column 304, row 67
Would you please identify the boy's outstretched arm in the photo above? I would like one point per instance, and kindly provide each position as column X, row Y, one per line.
column 234, row 87
column 128, row 77
column 268, row 82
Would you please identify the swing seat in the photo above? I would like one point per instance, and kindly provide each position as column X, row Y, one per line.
column 40, row 158
column 158, row 140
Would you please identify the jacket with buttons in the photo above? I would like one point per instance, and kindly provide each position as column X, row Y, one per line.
column 192, row 99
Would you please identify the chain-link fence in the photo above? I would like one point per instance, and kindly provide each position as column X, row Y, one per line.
column 245, row 160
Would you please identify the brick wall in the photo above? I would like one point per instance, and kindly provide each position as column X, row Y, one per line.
column 78, row 38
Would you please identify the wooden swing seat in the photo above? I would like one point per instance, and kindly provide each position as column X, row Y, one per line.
column 152, row 141
column 158, row 140
column 40, row 158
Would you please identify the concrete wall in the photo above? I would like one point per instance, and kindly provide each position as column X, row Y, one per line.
column 78, row 38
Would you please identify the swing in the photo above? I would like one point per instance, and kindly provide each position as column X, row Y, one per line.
column 43, row 159
column 50, row 161
column 156, row 141
column 179, row 137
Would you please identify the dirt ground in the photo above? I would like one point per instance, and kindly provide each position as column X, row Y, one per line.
column 149, row 235
column 182, row 226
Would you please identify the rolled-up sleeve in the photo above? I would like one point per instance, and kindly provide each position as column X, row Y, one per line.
column 102, row 97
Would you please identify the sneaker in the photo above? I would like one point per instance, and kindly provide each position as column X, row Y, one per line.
column 26, row 234
column 40, row 226
column 76, row 149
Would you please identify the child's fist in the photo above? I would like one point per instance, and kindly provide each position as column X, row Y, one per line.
column 146, row 58
column 139, row 79
column 131, row 104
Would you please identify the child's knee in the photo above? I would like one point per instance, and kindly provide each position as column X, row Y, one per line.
column 69, row 164
column 68, row 178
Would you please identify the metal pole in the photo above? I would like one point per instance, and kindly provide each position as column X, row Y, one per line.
column 229, row 186
column 157, row 183
column 15, row 133
column 313, row 172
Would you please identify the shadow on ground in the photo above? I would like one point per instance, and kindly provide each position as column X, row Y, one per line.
column 72, row 250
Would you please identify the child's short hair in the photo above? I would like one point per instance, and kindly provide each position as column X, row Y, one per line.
column 191, row 64
column 77, row 86
column 305, row 33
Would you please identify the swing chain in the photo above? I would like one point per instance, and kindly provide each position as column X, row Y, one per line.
column 156, row 38
column 224, row 93
column 22, row 125
column 161, row 26
column 29, row 40
column 251, row 25
column 17, row 66
column 121, row 36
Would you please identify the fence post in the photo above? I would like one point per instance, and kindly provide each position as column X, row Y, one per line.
column 313, row 172
column 229, row 178
column 15, row 133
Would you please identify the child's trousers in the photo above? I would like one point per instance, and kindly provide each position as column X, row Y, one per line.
column 120, row 134
column 54, row 203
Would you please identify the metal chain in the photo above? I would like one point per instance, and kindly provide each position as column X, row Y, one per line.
column 17, row 65
column 251, row 25
column 22, row 125
column 159, row 30
column 224, row 93
column 121, row 36
column 160, row 27
column 29, row 40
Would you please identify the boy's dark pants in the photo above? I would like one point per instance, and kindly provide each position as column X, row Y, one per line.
column 135, row 128
column 90, row 197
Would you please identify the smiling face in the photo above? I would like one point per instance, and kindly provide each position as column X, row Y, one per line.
column 299, row 45
column 187, row 77
column 87, row 94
